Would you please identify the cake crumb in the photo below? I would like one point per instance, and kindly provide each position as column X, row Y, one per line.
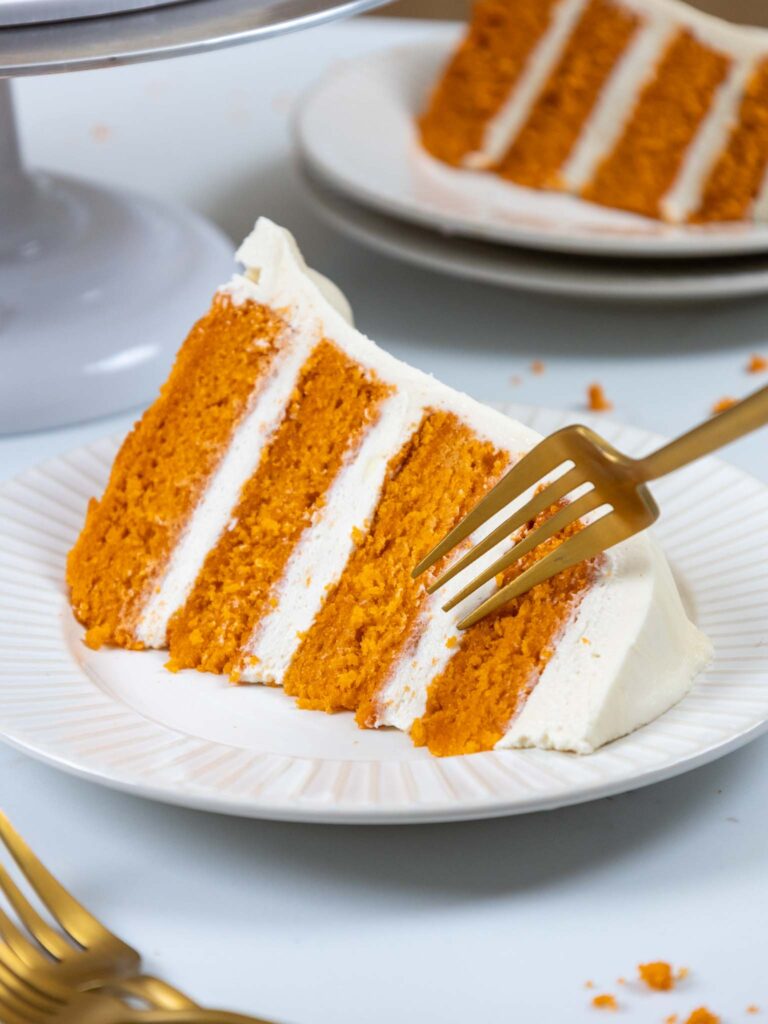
column 451, row 642
column 722, row 404
column 100, row 132
column 671, row 1019
column 753, row 1008
column 701, row 1015
column 537, row 367
column 757, row 364
column 619, row 981
column 586, row 640
column 681, row 973
column 596, row 399
column 515, row 381
column 657, row 975
column 589, row 984
column 608, row 1002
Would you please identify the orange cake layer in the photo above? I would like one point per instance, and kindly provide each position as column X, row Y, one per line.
column 481, row 74
column 370, row 616
column 472, row 702
column 566, row 101
column 164, row 465
column 335, row 401
column 644, row 164
column 738, row 175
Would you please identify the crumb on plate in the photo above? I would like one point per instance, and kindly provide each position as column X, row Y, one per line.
column 537, row 366
column 757, row 364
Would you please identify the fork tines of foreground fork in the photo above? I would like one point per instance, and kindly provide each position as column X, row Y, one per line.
column 586, row 474
column 45, row 974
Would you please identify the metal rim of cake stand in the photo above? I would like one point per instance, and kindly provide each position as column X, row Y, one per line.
column 97, row 285
column 159, row 32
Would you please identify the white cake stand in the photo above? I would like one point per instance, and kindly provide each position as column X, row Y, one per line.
column 97, row 285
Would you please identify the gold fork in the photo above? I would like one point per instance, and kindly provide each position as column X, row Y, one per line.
column 101, row 1008
column 615, row 482
column 92, row 958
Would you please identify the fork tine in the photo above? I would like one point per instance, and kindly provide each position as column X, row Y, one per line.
column 72, row 917
column 12, row 981
column 9, row 1017
column 591, row 541
column 539, row 502
column 20, row 945
column 563, row 517
column 50, row 940
column 10, row 1001
column 524, row 474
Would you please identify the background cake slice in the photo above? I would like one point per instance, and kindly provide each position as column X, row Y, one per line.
column 263, row 517
column 646, row 105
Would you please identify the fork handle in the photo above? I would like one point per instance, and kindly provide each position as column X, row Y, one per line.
column 720, row 430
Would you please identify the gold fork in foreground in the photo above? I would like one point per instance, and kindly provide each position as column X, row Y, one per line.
column 85, row 956
column 608, row 482
column 101, row 1008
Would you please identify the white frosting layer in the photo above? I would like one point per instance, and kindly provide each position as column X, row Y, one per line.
column 502, row 130
column 684, row 197
column 617, row 100
column 643, row 652
column 660, row 20
column 321, row 554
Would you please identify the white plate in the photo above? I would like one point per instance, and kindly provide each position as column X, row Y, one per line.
column 578, row 277
column 119, row 718
column 357, row 128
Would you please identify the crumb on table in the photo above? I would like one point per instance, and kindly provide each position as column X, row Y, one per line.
column 722, row 404
column 608, row 1002
column 596, row 399
column 657, row 974
column 701, row 1015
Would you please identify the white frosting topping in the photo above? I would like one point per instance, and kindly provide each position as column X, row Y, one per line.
column 643, row 652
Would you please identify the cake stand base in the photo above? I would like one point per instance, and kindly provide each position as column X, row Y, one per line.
column 97, row 291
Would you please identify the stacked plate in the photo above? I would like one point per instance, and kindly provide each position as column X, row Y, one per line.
column 369, row 177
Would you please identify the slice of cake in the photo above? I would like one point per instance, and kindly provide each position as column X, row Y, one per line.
column 263, row 518
column 646, row 105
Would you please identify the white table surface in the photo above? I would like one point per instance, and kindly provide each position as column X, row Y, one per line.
column 495, row 921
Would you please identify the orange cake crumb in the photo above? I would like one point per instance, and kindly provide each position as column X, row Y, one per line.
column 657, row 974
column 537, row 367
column 735, row 180
column 163, row 466
column 671, row 1019
column 757, row 364
column 335, row 401
column 753, row 1008
column 722, row 404
column 451, row 642
column 370, row 612
column 642, row 167
column 589, row 984
column 571, row 91
column 701, row 1015
column 597, row 400
column 473, row 700
column 480, row 75
column 619, row 981
column 605, row 1002
column 682, row 973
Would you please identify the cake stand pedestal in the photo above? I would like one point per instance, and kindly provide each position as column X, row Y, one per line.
column 98, row 286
